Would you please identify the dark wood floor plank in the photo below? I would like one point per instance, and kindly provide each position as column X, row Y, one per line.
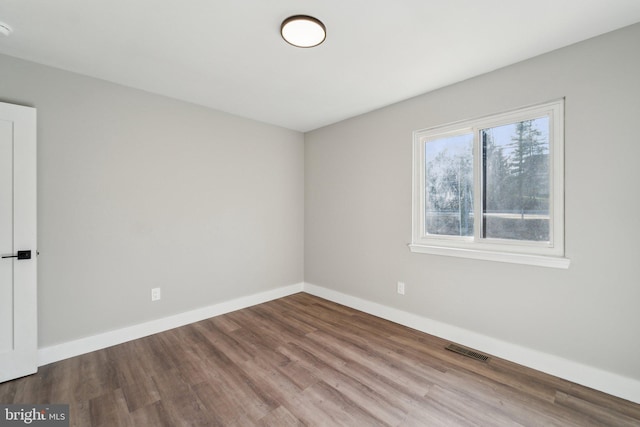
column 133, row 377
column 60, row 382
column 498, row 370
column 476, row 409
column 224, row 341
column 25, row 390
column 603, row 400
column 79, row 414
column 329, row 365
column 223, row 323
column 8, row 391
column 279, row 417
column 192, row 367
column 387, row 409
column 284, row 320
column 271, row 318
column 305, row 361
column 334, row 402
column 298, row 374
column 371, row 360
column 416, row 365
column 226, row 404
column 520, row 406
column 97, row 373
column 258, row 344
column 151, row 415
column 156, row 355
column 110, row 410
column 238, row 388
column 280, row 387
column 179, row 401
column 597, row 415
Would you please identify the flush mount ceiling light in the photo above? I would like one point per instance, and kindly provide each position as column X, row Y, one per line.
column 5, row 30
column 303, row 31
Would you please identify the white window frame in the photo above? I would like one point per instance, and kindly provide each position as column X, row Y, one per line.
column 547, row 254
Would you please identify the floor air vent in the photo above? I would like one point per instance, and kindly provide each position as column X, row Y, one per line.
column 466, row 352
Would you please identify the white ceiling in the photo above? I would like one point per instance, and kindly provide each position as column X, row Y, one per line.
column 228, row 54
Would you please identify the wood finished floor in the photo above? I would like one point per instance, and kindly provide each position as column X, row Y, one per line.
column 305, row 361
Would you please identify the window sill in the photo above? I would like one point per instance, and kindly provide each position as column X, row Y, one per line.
column 538, row 260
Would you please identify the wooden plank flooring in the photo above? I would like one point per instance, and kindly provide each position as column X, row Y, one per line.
column 305, row 361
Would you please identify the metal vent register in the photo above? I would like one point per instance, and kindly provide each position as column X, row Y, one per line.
column 466, row 352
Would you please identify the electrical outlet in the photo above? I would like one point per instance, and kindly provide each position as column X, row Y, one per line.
column 155, row 294
column 401, row 288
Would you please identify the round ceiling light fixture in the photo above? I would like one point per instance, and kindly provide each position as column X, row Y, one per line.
column 5, row 30
column 303, row 31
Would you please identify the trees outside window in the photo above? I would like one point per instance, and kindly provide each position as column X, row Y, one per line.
column 515, row 177
column 449, row 184
column 492, row 185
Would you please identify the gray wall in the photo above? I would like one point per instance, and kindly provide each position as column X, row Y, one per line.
column 358, row 210
column 139, row 191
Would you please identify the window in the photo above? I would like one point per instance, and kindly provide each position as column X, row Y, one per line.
column 492, row 188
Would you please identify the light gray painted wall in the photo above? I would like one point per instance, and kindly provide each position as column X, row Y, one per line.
column 358, row 210
column 139, row 191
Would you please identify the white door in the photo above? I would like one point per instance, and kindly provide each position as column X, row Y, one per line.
column 18, row 274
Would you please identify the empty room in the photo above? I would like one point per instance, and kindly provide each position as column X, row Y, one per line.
column 286, row 213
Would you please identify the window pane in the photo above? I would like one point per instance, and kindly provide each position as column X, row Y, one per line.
column 516, row 181
column 449, row 186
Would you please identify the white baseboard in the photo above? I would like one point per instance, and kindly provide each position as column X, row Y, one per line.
column 588, row 376
column 69, row 349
